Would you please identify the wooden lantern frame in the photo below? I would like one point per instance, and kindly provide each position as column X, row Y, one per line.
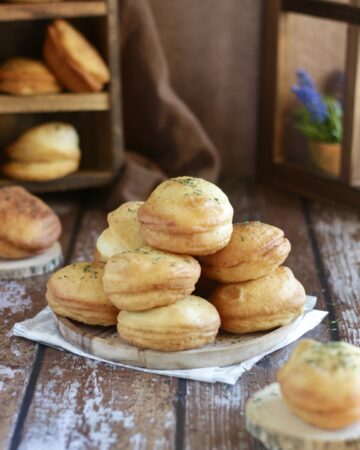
column 271, row 166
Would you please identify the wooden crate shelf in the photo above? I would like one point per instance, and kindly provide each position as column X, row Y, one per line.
column 22, row 11
column 78, row 180
column 54, row 103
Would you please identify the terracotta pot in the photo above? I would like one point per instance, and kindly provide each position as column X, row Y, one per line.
column 326, row 157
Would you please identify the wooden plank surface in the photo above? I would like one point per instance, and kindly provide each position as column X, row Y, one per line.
column 33, row 11
column 21, row 299
column 54, row 103
column 225, row 404
column 338, row 234
column 82, row 404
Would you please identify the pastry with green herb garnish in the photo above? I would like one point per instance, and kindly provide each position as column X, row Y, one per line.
column 321, row 383
column 187, row 215
column 76, row 291
column 147, row 278
column 255, row 249
column 263, row 304
column 189, row 323
column 123, row 232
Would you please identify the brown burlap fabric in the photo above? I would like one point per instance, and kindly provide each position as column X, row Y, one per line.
column 157, row 124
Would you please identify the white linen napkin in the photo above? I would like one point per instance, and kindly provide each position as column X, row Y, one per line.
column 42, row 328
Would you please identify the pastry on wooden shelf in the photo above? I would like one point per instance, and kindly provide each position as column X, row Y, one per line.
column 123, row 232
column 146, row 278
column 46, row 152
column 262, row 304
column 28, row 226
column 25, row 76
column 74, row 61
column 189, row 323
column 187, row 215
column 255, row 249
column 321, row 383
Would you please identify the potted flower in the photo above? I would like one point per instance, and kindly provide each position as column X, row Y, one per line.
column 320, row 119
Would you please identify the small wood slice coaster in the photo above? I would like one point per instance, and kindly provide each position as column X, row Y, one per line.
column 268, row 419
column 30, row 267
column 227, row 349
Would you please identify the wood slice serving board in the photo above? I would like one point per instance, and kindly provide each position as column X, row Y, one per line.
column 30, row 267
column 268, row 419
column 228, row 348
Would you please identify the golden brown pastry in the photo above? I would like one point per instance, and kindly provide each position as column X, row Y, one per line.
column 74, row 61
column 262, row 304
column 39, row 171
column 321, row 383
column 76, row 292
column 123, row 232
column 25, row 76
column 27, row 226
column 187, row 215
column 255, row 249
column 146, row 278
column 48, row 142
column 189, row 323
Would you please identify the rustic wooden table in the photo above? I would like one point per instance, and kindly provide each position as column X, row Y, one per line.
column 55, row 400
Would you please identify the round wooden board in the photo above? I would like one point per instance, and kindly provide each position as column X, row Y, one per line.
column 268, row 419
column 228, row 348
column 46, row 262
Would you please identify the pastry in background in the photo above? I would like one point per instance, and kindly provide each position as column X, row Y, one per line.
column 187, row 215
column 43, row 153
column 262, row 304
column 146, row 278
column 123, row 232
column 73, row 60
column 189, row 323
column 255, row 249
column 25, row 76
column 76, row 292
column 48, row 142
column 321, row 383
column 27, row 226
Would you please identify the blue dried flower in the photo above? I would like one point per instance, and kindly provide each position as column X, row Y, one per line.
column 320, row 117
column 312, row 101
column 304, row 79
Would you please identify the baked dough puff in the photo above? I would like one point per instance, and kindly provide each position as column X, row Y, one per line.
column 147, row 278
column 262, row 304
column 189, row 323
column 27, row 226
column 255, row 249
column 321, row 383
column 187, row 215
column 76, row 292
column 123, row 232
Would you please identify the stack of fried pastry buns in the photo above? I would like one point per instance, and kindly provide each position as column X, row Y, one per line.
column 44, row 153
column 28, row 226
column 149, row 254
column 256, row 293
column 321, row 383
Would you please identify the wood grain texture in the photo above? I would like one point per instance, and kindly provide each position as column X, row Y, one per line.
column 226, row 350
column 338, row 234
column 54, row 103
column 225, row 405
column 82, row 404
column 21, row 11
column 18, row 301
